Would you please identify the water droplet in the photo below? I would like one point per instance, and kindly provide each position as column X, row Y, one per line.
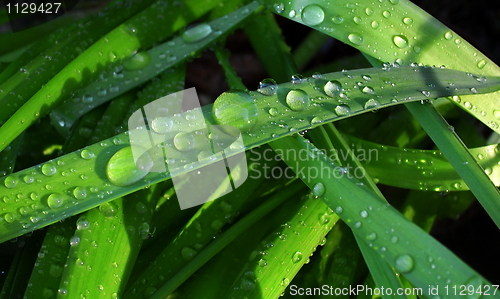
column 372, row 236
column 247, row 285
column 10, row 182
column 408, row 21
column 375, row 24
column 473, row 90
column 262, row 262
column 137, row 62
column 188, row 253
column 386, row 14
column 319, row 189
column 316, row 120
column 267, row 87
column 216, row 224
column 367, row 90
column 73, row 241
column 297, row 99
column 184, row 141
column 55, row 200
column 285, row 282
column 324, row 218
column 357, row 224
column 394, row 2
column 369, row 11
column 297, row 79
column 122, row 171
column 357, row 20
column 49, row 169
column 448, row 35
column 80, row 193
column 279, row 7
column 292, row 13
column 82, row 223
column 394, row 239
column 273, row 111
column 355, row 38
column 339, row 210
column 196, row 33
column 87, row 99
column 313, row 15
column 87, row 154
column 141, row 208
column 426, row 93
column 342, row 110
column 481, row 64
column 363, row 214
column 236, row 108
column 9, row 217
column 372, row 103
column 404, row 263
column 162, row 124
column 297, row 257
column 333, row 88
column 338, row 19
column 108, row 209
column 400, row 41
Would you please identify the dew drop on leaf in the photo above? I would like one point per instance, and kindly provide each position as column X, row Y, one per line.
column 137, row 62
column 49, row 169
column 355, row 38
column 267, row 87
column 313, row 15
column 55, row 200
column 108, row 209
column 10, row 182
column 297, row 257
column 87, row 154
column 400, row 41
column 236, row 108
column 371, row 104
column 297, row 100
column 162, row 124
column 333, row 88
column 342, row 110
column 196, row 33
column 404, row 263
column 80, row 193
column 184, row 141
column 319, row 189
column 123, row 171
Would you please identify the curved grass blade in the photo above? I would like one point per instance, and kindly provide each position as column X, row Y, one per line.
column 411, row 251
column 120, row 43
column 420, row 169
column 398, row 31
column 120, row 78
column 319, row 101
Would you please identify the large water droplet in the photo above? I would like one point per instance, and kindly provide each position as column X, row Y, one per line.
column 372, row 103
column 87, row 154
column 263, row 262
column 319, row 189
column 367, row 90
column 108, row 209
column 55, row 200
column 184, row 141
column 268, row 87
column 297, row 257
column 333, row 88
column 400, row 41
column 404, row 263
column 75, row 240
column 481, row 64
column 313, row 15
column 82, row 223
column 162, row 124
column 122, row 171
column 10, row 182
column 80, row 193
column 49, row 169
column 297, row 99
column 342, row 110
column 137, row 62
column 236, row 108
column 196, row 33
column 355, row 38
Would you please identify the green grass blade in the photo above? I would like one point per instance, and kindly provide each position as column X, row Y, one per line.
column 70, row 173
column 120, row 43
column 420, row 169
column 398, row 31
column 120, row 78
column 411, row 251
